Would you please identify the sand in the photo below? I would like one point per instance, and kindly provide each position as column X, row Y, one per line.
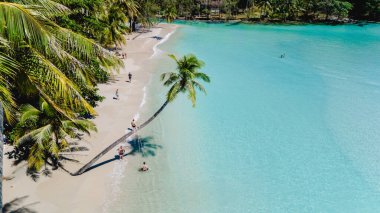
column 87, row 193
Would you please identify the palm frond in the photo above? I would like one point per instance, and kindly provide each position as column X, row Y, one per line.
column 173, row 57
column 28, row 113
column 47, row 7
column 202, row 76
column 170, row 77
column 7, row 72
column 20, row 25
column 192, row 94
column 55, row 84
column 199, row 86
column 173, row 92
column 81, row 125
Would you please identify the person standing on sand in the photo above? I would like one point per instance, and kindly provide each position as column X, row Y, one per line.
column 117, row 94
column 130, row 77
column 133, row 124
column 144, row 167
column 121, row 152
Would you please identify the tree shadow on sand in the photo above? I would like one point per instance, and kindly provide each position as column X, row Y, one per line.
column 139, row 146
column 15, row 206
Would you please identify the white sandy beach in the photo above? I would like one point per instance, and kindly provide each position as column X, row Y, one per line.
column 87, row 193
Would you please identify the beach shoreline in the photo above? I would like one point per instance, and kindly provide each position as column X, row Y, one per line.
column 88, row 192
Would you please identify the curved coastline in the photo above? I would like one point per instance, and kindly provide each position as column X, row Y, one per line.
column 88, row 192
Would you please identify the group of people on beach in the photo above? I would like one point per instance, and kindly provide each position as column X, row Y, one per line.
column 121, row 150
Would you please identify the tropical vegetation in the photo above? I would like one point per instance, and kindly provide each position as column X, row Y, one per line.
column 51, row 68
column 185, row 80
column 53, row 53
column 273, row 10
column 45, row 132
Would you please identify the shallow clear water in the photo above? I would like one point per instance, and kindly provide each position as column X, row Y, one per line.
column 298, row 134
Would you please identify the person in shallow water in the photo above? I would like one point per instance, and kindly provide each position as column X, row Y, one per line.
column 144, row 167
column 121, row 152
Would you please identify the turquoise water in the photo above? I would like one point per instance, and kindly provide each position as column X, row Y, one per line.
column 298, row 134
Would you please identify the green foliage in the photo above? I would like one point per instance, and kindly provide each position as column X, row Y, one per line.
column 284, row 10
column 184, row 80
column 49, row 51
column 170, row 14
column 45, row 132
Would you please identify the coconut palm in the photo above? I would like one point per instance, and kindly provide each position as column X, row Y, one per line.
column 45, row 131
column 170, row 14
column 115, row 27
column 184, row 80
column 7, row 103
column 265, row 6
column 131, row 8
column 47, row 54
column 7, row 72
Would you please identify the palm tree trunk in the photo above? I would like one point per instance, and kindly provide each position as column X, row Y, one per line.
column 122, row 139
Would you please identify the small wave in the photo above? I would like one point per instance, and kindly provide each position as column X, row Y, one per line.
column 144, row 98
column 156, row 50
column 116, row 177
column 136, row 117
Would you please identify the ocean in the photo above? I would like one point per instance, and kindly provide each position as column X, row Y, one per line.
column 294, row 134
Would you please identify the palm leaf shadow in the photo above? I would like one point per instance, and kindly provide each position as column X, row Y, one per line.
column 14, row 206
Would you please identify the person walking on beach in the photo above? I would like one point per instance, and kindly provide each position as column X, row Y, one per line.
column 121, row 152
column 130, row 77
column 133, row 124
column 117, row 94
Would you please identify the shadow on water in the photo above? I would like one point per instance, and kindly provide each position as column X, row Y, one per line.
column 15, row 206
column 139, row 146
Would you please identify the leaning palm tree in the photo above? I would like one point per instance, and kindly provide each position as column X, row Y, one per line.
column 184, row 80
column 45, row 131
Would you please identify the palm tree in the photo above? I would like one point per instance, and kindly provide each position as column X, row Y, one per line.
column 264, row 5
column 131, row 8
column 7, row 71
column 170, row 14
column 45, row 131
column 181, row 81
column 7, row 103
column 115, row 27
column 47, row 54
column 50, row 54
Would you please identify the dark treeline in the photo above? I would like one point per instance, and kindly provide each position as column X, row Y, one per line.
column 281, row 10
